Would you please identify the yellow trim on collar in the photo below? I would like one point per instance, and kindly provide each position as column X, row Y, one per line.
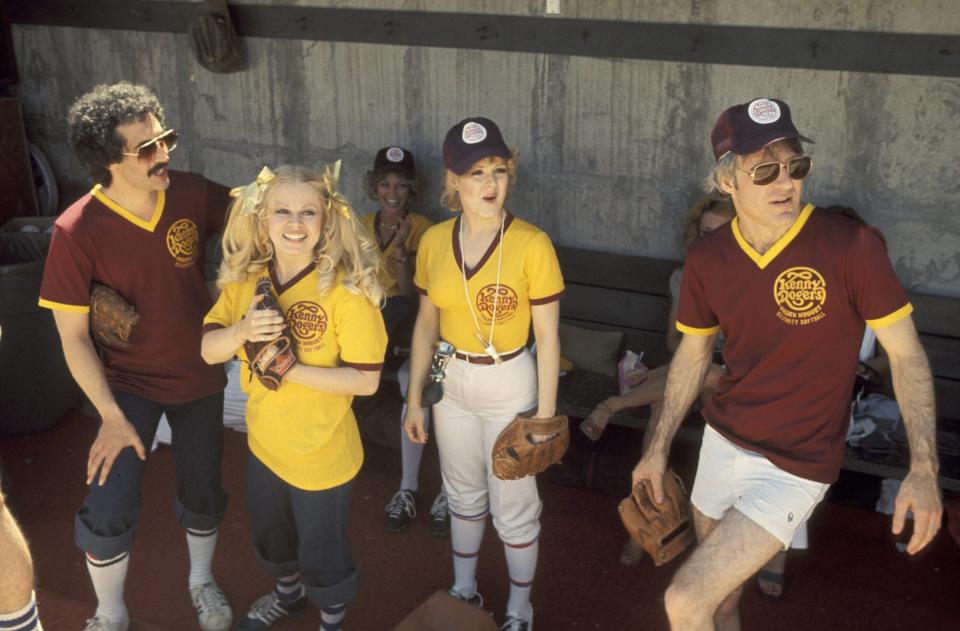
column 59, row 306
column 762, row 260
column 887, row 320
column 129, row 216
column 689, row 330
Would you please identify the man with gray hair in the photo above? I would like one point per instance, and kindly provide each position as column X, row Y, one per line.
column 791, row 286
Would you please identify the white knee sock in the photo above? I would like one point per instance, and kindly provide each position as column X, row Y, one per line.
column 23, row 619
column 411, row 453
column 109, row 576
column 201, row 545
column 465, row 538
column 522, row 565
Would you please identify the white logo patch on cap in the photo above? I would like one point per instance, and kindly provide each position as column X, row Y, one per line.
column 763, row 111
column 473, row 133
column 394, row 154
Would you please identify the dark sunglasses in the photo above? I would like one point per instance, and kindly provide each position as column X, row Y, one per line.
column 798, row 167
column 147, row 150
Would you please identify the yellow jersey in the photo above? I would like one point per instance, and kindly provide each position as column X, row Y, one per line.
column 387, row 274
column 529, row 275
column 308, row 437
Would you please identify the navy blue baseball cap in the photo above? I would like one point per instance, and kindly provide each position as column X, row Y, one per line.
column 395, row 159
column 472, row 140
column 749, row 127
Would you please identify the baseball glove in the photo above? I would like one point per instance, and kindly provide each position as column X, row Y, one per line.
column 663, row 530
column 271, row 360
column 527, row 446
column 111, row 317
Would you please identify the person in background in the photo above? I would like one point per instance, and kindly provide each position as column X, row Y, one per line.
column 710, row 212
column 395, row 184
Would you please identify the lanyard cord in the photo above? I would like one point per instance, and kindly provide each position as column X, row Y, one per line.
column 466, row 292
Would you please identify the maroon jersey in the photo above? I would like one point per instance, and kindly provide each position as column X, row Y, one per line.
column 793, row 320
column 156, row 265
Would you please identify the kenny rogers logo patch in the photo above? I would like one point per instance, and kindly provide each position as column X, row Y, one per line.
column 183, row 240
column 800, row 293
column 506, row 303
column 308, row 321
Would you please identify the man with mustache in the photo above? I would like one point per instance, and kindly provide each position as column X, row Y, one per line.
column 141, row 232
column 791, row 286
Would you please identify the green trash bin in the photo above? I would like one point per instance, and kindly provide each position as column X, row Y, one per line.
column 36, row 387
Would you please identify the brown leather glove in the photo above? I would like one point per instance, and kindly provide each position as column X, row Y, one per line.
column 663, row 530
column 111, row 317
column 270, row 361
column 527, row 446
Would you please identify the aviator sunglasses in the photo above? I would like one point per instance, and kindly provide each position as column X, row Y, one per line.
column 798, row 167
column 147, row 150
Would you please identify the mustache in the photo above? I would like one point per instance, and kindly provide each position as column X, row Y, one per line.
column 157, row 168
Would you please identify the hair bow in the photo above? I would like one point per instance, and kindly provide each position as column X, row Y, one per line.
column 251, row 195
column 335, row 201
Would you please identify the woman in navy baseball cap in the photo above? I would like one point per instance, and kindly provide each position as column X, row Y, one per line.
column 484, row 278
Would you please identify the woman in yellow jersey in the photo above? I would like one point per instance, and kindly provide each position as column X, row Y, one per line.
column 393, row 182
column 293, row 228
column 483, row 278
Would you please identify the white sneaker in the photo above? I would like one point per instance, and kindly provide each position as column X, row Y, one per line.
column 476, row 599
column 213, row 610
column 102, row 623
column 516, row 623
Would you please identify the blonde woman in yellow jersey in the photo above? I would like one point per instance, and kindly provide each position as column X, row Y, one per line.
column 295, row 229
column 484, row 277
column 394, row 183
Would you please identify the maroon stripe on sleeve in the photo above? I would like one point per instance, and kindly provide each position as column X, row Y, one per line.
column 212, row 326
column 420, row 290
column 548, row 299
column 366, row 367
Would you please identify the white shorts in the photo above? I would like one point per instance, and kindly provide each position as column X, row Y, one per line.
column 729, row 476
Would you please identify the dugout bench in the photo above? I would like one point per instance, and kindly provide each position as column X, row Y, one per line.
column 606, row 291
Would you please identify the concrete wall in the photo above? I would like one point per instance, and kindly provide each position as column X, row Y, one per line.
column 612, row 150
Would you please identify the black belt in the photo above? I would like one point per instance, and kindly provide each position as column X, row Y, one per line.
column 486, row 359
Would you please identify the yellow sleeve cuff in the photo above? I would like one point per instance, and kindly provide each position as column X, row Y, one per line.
column 689, row 330
column 899, row 314
column 59, row 306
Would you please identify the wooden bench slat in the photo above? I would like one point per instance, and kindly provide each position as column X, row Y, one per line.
column 936, row 315
column 616, row 271
column 944, row 355
column 615, row 307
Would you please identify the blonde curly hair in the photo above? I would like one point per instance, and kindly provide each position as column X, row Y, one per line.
column 344, row 244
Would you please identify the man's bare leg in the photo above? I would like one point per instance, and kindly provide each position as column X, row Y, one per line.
column 704, row 593
column 16, row 579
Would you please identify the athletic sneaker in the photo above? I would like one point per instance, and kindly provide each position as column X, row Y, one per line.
column 476, row 600
column 401, row 509
column 101, row 623
column 213, row 610
column 440, row 515
column 268, row 609
column 514, row 623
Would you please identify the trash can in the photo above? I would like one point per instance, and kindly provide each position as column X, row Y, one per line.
column 36, row 387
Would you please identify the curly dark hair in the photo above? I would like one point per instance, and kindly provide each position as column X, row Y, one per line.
column 93, row 121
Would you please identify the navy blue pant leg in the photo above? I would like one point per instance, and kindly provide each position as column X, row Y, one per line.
column 197, row 432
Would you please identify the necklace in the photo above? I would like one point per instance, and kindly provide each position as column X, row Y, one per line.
column 488, row 346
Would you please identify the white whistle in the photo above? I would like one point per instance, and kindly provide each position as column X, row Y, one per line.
column 489, row 348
